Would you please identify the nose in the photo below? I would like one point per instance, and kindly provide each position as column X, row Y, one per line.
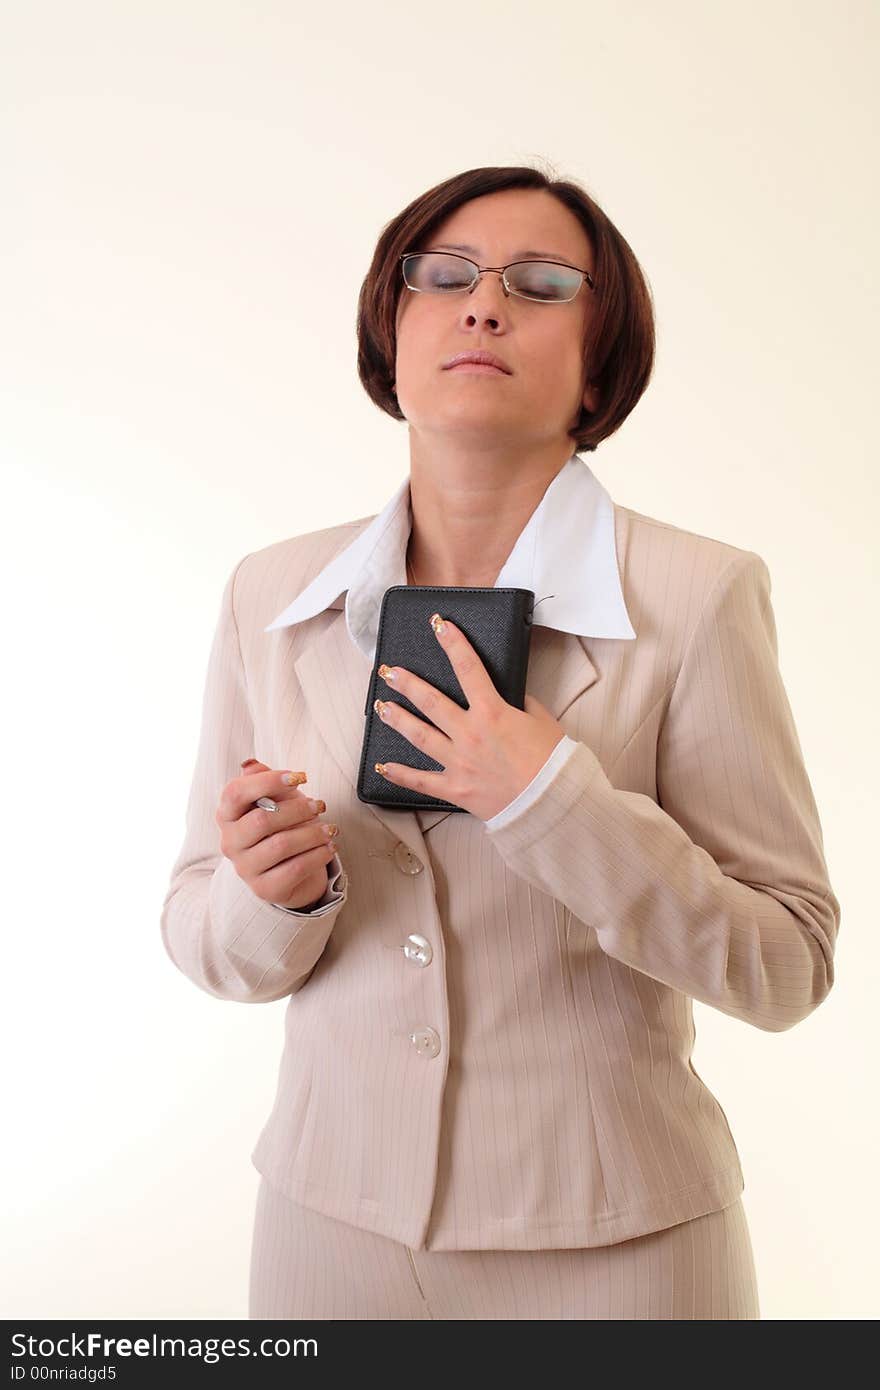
column 483, row 278
column 486, row 297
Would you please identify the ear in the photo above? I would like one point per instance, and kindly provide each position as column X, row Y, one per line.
column 591, row 397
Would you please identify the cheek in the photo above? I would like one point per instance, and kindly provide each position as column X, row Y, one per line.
column 418, row 347
column 558, row 371
column 555, row 354
column 410, row 330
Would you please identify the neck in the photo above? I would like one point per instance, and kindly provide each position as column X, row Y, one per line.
column 466, row 519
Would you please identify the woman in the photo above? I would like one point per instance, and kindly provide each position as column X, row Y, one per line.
column 486, row 1106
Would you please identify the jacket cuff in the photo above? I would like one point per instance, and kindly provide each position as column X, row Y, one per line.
column 252, row 950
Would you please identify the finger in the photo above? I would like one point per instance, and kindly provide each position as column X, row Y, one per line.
column 251, row 765
column 473, row 678
column 430, row 783
column 239, row 795
column 443, row 712
column 306, row 837
column 282, row 880
column 260, row 823
column 413, row 731
column 472, row 675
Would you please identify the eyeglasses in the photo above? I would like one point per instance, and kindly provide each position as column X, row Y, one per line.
column 443, row 272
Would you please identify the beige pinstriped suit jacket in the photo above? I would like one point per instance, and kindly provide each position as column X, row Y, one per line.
column 678, row 855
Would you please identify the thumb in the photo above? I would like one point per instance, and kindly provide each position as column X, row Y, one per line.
column 252, row 765
column 533, row 706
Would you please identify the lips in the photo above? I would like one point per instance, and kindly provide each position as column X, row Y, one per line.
column 479, row 358
column 478, row 368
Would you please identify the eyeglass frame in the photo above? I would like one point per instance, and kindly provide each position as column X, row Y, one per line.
column 502, row 270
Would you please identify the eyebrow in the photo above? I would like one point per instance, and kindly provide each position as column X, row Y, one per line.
column 518, row 255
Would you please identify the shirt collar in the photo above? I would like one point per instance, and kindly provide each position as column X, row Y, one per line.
column 566, row 554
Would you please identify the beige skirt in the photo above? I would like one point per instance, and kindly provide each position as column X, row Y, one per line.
column 308, row 1265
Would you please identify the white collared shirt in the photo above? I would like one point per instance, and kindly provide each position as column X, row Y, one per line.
column 566, row 554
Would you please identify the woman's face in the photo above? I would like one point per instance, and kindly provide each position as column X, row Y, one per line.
column 541, row 343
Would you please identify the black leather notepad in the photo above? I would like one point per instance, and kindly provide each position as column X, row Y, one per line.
column 498, row 624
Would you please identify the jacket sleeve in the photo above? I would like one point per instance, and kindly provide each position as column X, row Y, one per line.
column 228, row 941
column 719, row 889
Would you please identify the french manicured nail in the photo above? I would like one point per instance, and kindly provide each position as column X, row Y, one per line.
column 437, row 623
column 293, row 779
column 380, row 767
column 387, row 673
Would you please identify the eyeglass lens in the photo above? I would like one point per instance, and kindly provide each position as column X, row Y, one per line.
column 435, row 272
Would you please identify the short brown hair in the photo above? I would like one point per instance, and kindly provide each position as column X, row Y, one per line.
column 620, row 342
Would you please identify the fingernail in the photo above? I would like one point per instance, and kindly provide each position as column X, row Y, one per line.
column 387, row 673
column 330, row 830
column 293, row 779
column 318, row 807
column 437, row 623
column 247, row 762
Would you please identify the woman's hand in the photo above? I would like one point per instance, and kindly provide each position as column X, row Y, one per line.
column 281, row 855
column 489, row 752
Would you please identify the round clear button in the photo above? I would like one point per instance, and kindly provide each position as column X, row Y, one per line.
column 425, row 1041
column 406, row 861
column 419, row 949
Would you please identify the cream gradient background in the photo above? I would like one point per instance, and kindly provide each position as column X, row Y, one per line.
column 192, row 195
